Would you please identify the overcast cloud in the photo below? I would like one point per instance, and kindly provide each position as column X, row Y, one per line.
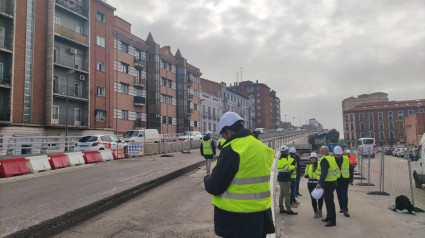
column 312, row 53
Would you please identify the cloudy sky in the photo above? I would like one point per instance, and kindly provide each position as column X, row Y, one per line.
column 313, row 53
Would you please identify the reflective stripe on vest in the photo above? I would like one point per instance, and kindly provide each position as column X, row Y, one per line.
column 206, row 147
column 250, row 189
column 345, row 168
column 332, row 171
column 283, row 164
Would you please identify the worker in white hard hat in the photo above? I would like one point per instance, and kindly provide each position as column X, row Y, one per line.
column 294, row 202
column 311, row 174
column 285, row 168
column 208, row 150
column 343, row 180
column 353, row 164
column 240, row 182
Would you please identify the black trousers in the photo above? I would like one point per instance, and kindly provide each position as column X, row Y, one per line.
column 314, row 202
column 328, row 195
column 351, row 173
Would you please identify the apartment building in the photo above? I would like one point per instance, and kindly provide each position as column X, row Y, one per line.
column 235, row 101
column 275, row 105
column 383, row 121
column 210, row 105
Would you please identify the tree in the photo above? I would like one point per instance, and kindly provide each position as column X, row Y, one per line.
column 332, row 136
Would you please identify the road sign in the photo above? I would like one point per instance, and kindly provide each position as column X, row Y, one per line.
column 319, row 141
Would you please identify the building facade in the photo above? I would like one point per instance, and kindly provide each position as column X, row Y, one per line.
column 415, row 128
column 234, row 101
column 210, row 105
column 383, row 121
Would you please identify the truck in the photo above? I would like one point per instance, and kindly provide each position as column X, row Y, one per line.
column 418, row 164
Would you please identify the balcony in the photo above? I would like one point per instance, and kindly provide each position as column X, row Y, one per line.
column 139, row 63
column 71, row 61
column 139, row 101
column 139, row 82
column 76, row 6
column 73, row 121
column 189, row 112
column 189, row 83
column 190, row 97
column 138, row 123
column 71, row 34
column 6, row 8
column 74, row 92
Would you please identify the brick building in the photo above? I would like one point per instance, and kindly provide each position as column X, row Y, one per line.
column 415, row 128
column 383, row 120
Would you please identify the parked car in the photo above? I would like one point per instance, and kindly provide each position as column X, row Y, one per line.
column 389, row 150
column 144, row 135
column 191, row 135
column 99, row 142
column 397, row 150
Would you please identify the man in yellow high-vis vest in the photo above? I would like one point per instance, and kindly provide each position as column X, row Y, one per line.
column 343, row 180
column 208, row 150
column 240, row 183
column 327, row 171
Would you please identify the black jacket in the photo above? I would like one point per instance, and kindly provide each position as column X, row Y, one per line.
column 230, row 224
column 284, row 176
column 212, row 146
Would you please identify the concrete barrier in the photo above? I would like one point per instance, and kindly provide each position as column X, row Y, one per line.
column 58, row 161
column 106, row 155
column 75, row 158
column 36, row 164
column 150, row 148
column 91, row 157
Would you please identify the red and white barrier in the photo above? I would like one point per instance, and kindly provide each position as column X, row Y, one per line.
column 91, row 157
column 11, row 167
column 36, row 164
column 106, row 155
column 75, row 158
column 58, row 161
column 118, row 153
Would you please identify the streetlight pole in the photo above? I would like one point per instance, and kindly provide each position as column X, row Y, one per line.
column 66, row 107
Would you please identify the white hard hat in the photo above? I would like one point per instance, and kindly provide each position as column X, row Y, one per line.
column 228, row 119
column 348, row 151
column 283, row 148
column 208, row 133
column 338, row 150
column 313, row 155
column 317, row 193
column 292, row 150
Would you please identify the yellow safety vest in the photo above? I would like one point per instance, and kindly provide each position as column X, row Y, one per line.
column 222, row 141
column 284, row 165
column 250, row 188
column 345, row 168
column 294, row 171
column 206, row 147
column 332, row 171
column 312, row 175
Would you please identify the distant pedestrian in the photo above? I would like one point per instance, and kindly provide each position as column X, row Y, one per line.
column 297, row 158
column 294, row 202
column 343, row 179
column 327, row 175
column 208, row 150
column 311, row 174
column 353, row 164
column 285, row 169
column 240, row 183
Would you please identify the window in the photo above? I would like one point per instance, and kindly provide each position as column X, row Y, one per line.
column 170, row 120
column 348, row 136
column 392, row 135
column 124, row 114
column 381, row 135
column 164, row 120
column 421, row 110
column 370, row 116
column 352, row 126
column 138, row 54
column 361, row 116
column 362, row 134
column 380, row 116
column 100, row 16
column 391, row 125
column 57, row 20
column 125, row 88
column 258, row 100
column 346, row 118
column 138, row 116
column 55, row 112
column 124, row 68
column 372, row 134
column 100, row 66
column 166, row 99
column 381, row 125
column 410, row 112
column 259, row 120
column 390, row 115
column 100, row 115
column 258, row 94
column 124, row 47
column 100, row 91
column 352, row 136
column 346, row 127
column 100, row 41
column 258, row 107
column 138, row 92
column 370, row 125
column 400, row 114
column 79, row 30
column 362, row 127
column 351, row 117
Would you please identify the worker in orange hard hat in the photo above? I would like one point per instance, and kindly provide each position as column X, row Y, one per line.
column 353, row 164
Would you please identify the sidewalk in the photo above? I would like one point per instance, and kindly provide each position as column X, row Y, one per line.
column 370, row 217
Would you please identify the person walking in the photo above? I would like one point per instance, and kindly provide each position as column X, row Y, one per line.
column 240, row 183
column 311, row 174
column 297, row 158
column 327, row 174
column 343, row 180
column 208, row 150
column 353, row 164
column 294, row 202
column 285, row 169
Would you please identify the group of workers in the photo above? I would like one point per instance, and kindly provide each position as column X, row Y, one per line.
column 240, row 180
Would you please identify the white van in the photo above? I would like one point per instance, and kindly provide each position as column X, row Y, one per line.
column 419, row 164
column 366, row 146
column 144, row 135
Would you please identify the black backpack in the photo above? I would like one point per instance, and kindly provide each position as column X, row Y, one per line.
column 402, row 202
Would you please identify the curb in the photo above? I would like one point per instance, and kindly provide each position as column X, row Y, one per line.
column 69, row 219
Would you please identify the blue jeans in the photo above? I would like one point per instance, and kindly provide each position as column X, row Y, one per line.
column 342, row 193
column 293, row 188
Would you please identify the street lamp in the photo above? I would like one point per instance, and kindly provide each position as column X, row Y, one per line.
column 66, row 108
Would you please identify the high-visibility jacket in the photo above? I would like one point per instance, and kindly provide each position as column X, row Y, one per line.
column 312, row 175
column 352, row 160
column 332, row 171
column 294, row 172
column 206, row 147
column 250, row 188
column 284, row 165
column 345, row 168
column 222, row 141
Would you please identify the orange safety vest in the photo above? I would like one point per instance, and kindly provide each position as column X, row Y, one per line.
column 352, row 160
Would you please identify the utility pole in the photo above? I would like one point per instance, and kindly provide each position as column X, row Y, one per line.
column 241, row 74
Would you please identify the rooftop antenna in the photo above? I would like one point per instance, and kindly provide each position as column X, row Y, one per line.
column 237, row 76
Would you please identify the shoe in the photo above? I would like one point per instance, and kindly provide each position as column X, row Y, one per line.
column 292, row 213
column 296, row 202
column 282, row 211
column 341, row 211
column 351, row 183
column 326, row 220
column 346, row 214
column 316, row 215
column 320, row 212
column 331, row 224
column 294, row 205
column 299, row 194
